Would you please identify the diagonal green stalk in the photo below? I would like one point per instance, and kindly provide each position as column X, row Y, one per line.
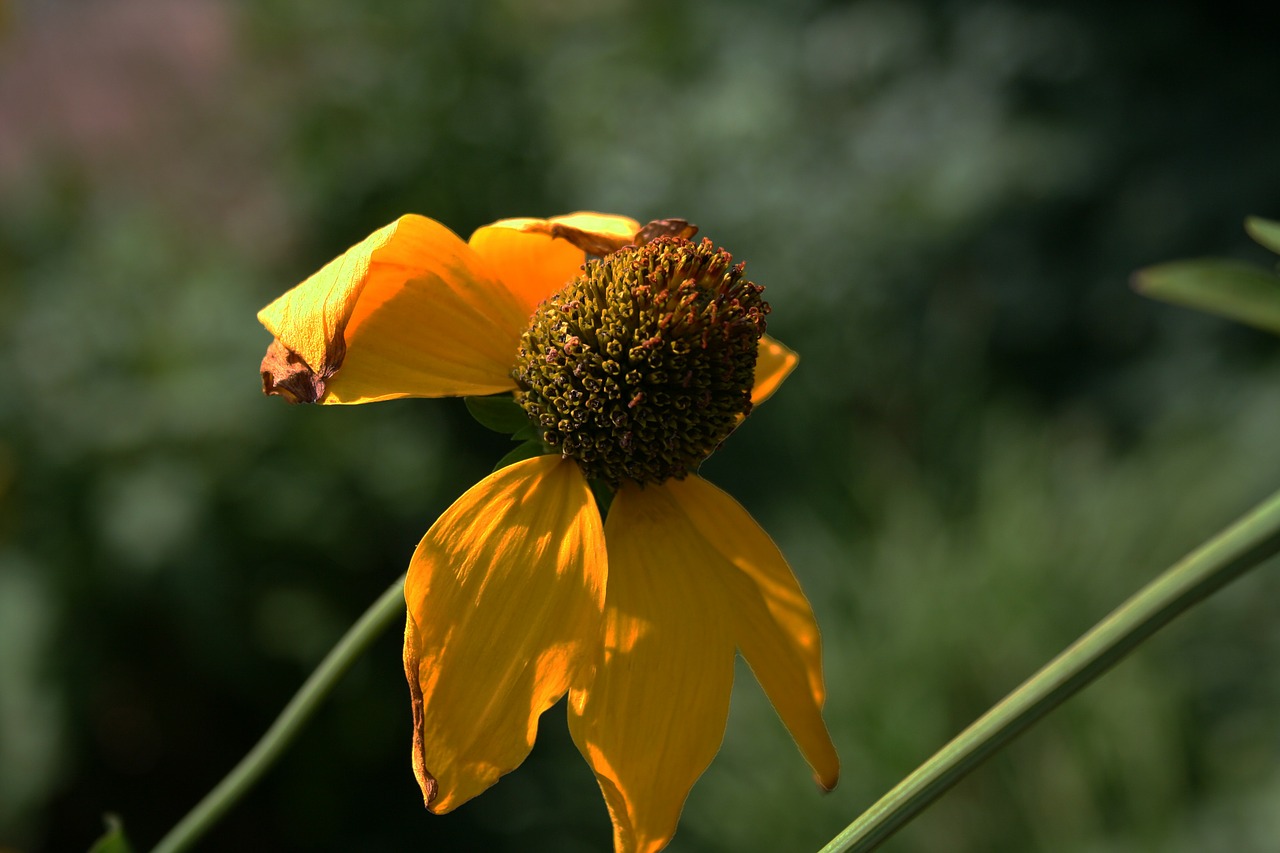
column 1245, row 544
column 235, row 784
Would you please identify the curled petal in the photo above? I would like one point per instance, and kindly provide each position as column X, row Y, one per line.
column 772, row 621
column 774, row 363
column 532, row 264
column 597, row 233
column 598, row 223
column 653, row 715
column 410, row 311
column 504, row 599
column 593, row 233
column 536, row 257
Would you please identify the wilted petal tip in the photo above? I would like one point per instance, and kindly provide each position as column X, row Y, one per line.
column 681, row 228
column 285, row 374
column 430, row 787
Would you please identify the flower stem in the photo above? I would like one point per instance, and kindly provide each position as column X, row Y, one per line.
column 235, row 784
column 1245, row 544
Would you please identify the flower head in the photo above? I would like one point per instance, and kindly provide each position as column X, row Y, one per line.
column 642, row 365
column 635, row 352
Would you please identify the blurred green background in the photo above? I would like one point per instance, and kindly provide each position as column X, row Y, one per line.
column 990, row 441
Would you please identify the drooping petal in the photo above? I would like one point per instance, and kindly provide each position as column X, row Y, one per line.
column 774, row 363
column 653, row 715
column 505, row 595
column 536, row 257
column 410, row 311
column 773, row 623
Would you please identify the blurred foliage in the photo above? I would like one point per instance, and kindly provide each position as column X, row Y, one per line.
column 990, row 442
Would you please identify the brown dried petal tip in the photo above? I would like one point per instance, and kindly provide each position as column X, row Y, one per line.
column 665, row 228
column 286, row 375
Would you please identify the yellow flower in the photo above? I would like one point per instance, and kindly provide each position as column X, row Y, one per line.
column 632, row 368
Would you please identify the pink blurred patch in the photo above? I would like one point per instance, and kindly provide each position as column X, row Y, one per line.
column 89, row 80
column 146, row 99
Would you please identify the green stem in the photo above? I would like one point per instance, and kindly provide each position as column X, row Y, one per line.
column 1242, row 546
column 282, row 732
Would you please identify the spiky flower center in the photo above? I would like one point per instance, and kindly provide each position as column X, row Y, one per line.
column 642, row 365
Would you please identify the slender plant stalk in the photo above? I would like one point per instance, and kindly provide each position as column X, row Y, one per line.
column 1245, row 544
column 381, row 614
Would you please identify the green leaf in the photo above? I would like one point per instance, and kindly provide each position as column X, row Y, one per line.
column 1229, row 289
column 1265, row 231
column 113, row 841
column 526, row 432
column 521, row 452
column 499, row 413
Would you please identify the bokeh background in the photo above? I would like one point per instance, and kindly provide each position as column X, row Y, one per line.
column 990, row 442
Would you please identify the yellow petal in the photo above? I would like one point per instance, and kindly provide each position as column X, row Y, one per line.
column 773, row 623
column 654, row 714
column 504, row 599
column 531, row 264
column 773, row 364
column 599, row 223
column 536, row 257
column 410, row 311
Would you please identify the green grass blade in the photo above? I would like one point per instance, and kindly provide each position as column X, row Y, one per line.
column 1245, row 544
column 1265, row 231
column 1231, row 289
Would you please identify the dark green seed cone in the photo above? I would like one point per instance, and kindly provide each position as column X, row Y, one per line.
column 642, row 365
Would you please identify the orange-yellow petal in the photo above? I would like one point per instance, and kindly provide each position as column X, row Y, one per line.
column 774, row 363
column 410, row 311
column 773, row 623
column 599, row 223
column 536, row 257
column 504, row 596
column 653, row 716
column 532, row 265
